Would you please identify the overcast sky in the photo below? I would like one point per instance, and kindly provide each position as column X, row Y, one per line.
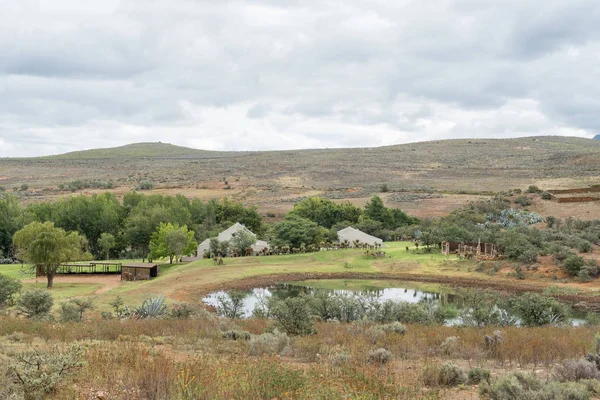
column 283, row 74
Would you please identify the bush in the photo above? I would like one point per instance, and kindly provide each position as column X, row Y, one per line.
column 268, row 343
column 478, row 375
column 449, row 345
column 293, row 316
column 8, row 289
column 518, row 385
column 35, row 303
column 523, row 200
column 573, row 264
column 394, row 327
column 536, row 310
column 73, row 310
column 576, row 370
column 236, row 335
column 546, row 195
column 145, row 185
column 181, row 311
column 39, row 372
column 380, row 356
column 585, row 247
column 69, row 312
column 533, row 189
column 447, row 374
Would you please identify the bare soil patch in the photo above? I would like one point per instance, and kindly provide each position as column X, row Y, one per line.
column 108, row 282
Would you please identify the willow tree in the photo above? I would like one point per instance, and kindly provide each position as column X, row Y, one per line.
column 43, row 245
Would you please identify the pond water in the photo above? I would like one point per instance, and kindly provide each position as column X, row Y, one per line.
column 402, row 291
column 282, row 291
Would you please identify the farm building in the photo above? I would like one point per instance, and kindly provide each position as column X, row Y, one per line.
column 139, row 271
column 227, row 235
column 352, row 235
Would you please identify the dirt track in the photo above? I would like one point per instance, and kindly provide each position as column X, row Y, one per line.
column 108, row 282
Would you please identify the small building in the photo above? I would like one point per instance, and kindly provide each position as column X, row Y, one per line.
column 226, row 236
column 139, row 271
column 352, row 235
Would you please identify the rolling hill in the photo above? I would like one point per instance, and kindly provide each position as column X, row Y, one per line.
column 422, row 174
column 135, row 150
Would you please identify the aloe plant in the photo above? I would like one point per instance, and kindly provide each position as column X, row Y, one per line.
column 153, row 307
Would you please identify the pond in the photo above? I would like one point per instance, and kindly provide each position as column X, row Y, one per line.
column 381, row 291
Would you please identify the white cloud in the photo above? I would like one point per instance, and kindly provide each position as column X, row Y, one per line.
column 234, row 75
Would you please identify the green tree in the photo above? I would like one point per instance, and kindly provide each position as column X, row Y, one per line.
column 172, row 241
column 11, row 220
column 106, row 243
column 241, row 242
column 325, row 212
column 44, row 245
column 295, row 231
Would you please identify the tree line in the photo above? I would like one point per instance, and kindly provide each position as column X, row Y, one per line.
column 110, row 228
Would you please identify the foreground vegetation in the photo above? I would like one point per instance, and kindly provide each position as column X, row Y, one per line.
column 209, row 357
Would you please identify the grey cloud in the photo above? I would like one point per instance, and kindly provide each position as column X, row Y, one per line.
column 320, row 73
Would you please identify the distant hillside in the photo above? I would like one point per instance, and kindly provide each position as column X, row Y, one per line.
column 135, row 150
column 597, row 137
column 271, row 178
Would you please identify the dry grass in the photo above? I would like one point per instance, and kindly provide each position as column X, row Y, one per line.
column 165, row 359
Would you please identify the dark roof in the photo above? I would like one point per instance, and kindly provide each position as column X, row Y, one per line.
column 140, row 265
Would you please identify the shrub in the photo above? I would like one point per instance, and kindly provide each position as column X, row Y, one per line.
column 69, row 312
column 478, row 375
column 39, row 372
column 546, row 195
column 584, row 246
column 293, row 316
column 181, row 311
column 384, row 188
column 573, row 264
column 533, row 189
column 536, row 310
column 447, row 374
column 576, row 370
column 394, row 327
column 8, row 388
column 523, row 200
column 145, row 185
column 8, row 289
column 268, row 343
column 152, row 307
column 24, row 187
column 35, row 303
column 449, row 345
column 235, row 334
column 517, row 386
column 380, row 356
column 493, row 342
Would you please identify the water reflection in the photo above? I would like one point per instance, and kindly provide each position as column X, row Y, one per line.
column 283, row 291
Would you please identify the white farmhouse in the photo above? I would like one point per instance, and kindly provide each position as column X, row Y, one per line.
column 351, row 235
column 227, row 235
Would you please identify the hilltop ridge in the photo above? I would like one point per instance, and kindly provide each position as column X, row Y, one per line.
column 135, row 150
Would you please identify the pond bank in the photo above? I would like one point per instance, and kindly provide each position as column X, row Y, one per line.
column 577, row 301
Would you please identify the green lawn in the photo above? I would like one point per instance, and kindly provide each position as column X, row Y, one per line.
column 14, row 271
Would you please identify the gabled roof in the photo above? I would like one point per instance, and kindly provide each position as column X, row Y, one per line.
column 352, row 234
column 228, row 233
